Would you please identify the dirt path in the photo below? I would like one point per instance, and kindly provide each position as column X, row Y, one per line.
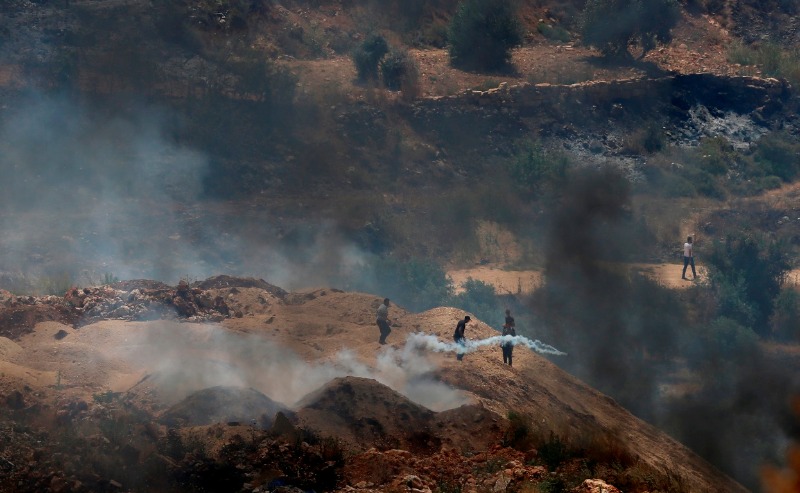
column 527, row 281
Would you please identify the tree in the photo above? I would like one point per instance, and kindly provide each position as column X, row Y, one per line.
column 368, row 55
column 399, row 71
column 612, row 26
column 482, row 33
column 747, row 274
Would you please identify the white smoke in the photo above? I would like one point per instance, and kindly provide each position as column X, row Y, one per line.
column 432, row 343
column 185, row 358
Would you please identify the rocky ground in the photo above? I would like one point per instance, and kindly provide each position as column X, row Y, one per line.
column 258, row 389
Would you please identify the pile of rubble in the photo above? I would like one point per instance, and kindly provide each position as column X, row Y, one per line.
column 128, row 300
column 146, row 303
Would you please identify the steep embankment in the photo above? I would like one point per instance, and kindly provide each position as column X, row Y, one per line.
column 293, row 345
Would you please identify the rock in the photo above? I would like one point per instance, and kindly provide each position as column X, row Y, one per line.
column 595, row 486
column 412, row 481
column 502, row 483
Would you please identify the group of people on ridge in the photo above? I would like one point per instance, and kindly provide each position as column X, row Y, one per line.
column 509, row 329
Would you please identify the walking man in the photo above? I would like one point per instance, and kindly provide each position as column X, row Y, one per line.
column 508, row 330
column 459, row 336
column 688, row 258
column 383, row 320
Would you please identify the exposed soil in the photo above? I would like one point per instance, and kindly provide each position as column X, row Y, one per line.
column 702, row 49
column 288, row 350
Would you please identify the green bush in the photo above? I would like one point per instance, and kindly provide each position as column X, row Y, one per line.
column 785, row 321
column 779, row 155
column 417, row 284
column 482, row 33
column 399, row 71
column 553, row 485
column 222, row 15
column 717, row 349
column 553, row 33
column 732, row 300
column 535, row 169
column 612, row 26
column 518, row 434
column 715, row 155
column 705, row 183
column 368, row 55
column 554, row 451
column 770, row 58
column 747, row 274
column 673, row 185
column 730, row 340
column 478, row 298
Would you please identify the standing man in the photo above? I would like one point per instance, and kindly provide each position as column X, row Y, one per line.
column 383, row 320
column 508, row 330
column 688, row 258
column 459, row 336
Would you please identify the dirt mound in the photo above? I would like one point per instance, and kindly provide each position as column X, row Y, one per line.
column 20, row 315
column 116, row 365
column 223, row 404
column 367, row 414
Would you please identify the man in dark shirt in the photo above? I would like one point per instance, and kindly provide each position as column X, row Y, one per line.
column 459, row 336
column 508, row 330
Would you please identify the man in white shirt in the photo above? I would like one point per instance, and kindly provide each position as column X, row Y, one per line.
column 688, row 258
column 383, row 320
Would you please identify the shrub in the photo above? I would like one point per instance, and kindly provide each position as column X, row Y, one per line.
column 732, row 302
column 535, row 169
column 612, row 26
column 716, row 155
column 368, row 55
column 554, row 451
column 705, row 183
column 399, row 71
column 647, row 140
column 779, row 155
column 482, row 33
column 56, row 284
column 771, row 59
column 747, row 274
column 553, row 33
column 785, row 321
column 418, row 284
column 553, row 485
column 730, row 340
column 677, row 186
column 479, row 298
column 518, row 434
column 223, row 15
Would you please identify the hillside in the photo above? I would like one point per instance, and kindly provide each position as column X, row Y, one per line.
column 402, row 397
column 174, row 141
column 316, row 143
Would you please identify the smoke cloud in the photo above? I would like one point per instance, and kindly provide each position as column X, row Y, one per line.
column 432, row 343
column 627, row 337
column 185, row 358
column 89, row 191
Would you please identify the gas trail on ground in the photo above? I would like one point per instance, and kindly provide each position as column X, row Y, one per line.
column 431, row 342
